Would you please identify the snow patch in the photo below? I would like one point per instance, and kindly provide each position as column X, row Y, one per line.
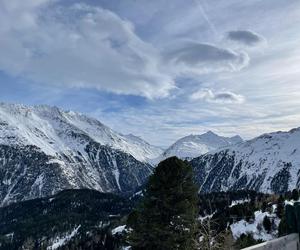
column 60, row 241
column 119, row 230
column 237, row 202
column 244, row 227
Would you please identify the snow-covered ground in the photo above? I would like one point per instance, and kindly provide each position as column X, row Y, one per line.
column 60, row 241
column 256, row 227
column 118, row 230
column 203, row 218
column 236, row 202
column 291, row 202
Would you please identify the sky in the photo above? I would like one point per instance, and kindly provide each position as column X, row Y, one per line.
column 158, row 69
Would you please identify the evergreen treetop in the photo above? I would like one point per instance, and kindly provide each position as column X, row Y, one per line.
column 166, row 218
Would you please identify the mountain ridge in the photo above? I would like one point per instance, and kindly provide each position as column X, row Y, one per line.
column 44, row 150
column 268, row 163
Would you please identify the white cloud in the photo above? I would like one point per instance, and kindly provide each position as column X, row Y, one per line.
column 78, row 46
column 217, row 97
column 86, row 46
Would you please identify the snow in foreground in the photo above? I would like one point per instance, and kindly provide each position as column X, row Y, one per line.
column 256, row 227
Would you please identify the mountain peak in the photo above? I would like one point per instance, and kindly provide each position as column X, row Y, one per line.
column 209, row 132
column 195, row 145
column 268, row 163
column 52, row 130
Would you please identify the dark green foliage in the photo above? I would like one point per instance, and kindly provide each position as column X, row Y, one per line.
column 267, row 224
column 291, row 219
column 295, row 194
column 166, row 218
column 280, row 206
column 246, row 240
column 45, row 218
column 282, row 228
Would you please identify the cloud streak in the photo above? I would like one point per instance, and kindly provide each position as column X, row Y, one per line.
column 217, row 97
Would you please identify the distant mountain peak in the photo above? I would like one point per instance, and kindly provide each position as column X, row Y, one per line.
column 195, row 145
column 209, row 132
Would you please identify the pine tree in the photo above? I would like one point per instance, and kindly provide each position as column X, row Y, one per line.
column 166, row 218
column 295, row 195
column 280, row 207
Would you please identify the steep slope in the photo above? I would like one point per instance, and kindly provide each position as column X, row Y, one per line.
column 195, row 145
column 269, row 163
column 44, row 150
column 147, row 151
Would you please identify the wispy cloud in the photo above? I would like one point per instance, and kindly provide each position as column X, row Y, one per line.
column 217, row 97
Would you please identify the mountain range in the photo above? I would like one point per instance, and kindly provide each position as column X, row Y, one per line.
column 44, row 150
column 269, row 163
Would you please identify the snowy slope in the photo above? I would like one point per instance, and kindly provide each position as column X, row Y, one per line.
column 48, row 127
column 195, row 145
column 268, row 163
column 146, row 151
column 44, row 149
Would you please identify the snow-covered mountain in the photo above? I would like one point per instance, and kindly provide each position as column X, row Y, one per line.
column 195, row 145
column 141, row 149
column 269, row 163
column 45, row 126
column 44, row 149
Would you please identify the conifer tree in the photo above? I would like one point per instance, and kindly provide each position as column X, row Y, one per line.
column 280, row 207
column 166, row 218
column 295, row 195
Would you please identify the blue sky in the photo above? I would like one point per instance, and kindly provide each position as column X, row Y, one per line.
column 158, row 69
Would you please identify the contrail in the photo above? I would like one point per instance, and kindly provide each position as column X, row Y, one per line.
column 206, row 18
